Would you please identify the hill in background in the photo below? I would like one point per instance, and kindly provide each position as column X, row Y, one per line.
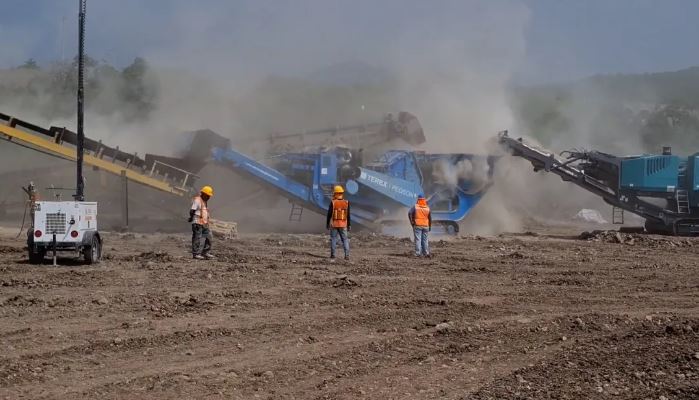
column 619, row 114
column 615, row 113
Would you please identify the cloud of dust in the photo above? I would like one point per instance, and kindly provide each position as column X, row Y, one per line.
column 455, row 78
column 452, row 62
column 581, row 115
column 596, row 120
column 476, row 171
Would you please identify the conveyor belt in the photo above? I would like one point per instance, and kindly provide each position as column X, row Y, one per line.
column 59, row 142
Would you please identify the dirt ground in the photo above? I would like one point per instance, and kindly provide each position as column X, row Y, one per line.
column 519, row 316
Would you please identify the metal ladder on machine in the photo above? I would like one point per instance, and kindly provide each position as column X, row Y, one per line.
column 682, row 198
column 681, row 195
column 296, row 212
column 617, row 216
column 297, row 209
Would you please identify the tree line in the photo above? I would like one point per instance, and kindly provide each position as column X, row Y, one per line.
column 654, row 110
column 602, row 112
column 50, row 90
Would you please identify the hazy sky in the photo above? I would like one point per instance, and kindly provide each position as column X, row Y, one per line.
column 541, row 40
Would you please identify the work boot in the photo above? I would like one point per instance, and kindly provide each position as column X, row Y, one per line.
column 346, row 258
column 199, row 257
column 209, row 256
column 332, row 259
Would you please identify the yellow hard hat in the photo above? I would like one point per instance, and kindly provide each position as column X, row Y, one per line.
column 207, row 190
column 338, row 189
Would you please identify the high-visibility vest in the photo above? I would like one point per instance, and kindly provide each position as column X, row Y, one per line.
column 339, row 217
column 201, row 214
column 422, row 216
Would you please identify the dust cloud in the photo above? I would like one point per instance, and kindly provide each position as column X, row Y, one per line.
column 476, row 171
column 264, row 71
column 583, row 115
column 457, row 82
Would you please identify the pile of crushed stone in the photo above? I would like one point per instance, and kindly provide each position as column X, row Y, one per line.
column 635, row 239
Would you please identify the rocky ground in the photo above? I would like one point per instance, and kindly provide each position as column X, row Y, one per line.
column 527, row 316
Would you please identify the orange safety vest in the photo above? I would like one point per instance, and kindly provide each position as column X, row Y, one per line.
column 422, row 215
column 201, row 215
column 339, row 217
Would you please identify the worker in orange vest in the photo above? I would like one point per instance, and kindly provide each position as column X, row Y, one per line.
column 199, row 217
column 421, row 220
column 338, row 221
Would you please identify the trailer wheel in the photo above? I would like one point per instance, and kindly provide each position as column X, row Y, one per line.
column 93, row 252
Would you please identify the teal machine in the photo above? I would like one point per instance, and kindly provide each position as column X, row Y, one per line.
column 662, row 188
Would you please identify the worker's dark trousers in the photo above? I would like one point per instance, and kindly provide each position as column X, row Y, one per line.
column 342, row 233
column 422, row 243
column 201, row 239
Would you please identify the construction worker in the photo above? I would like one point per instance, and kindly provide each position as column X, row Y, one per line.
column 338, row 221
column 199, row 217
column 421, row 220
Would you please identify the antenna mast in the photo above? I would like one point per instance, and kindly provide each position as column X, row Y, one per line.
column 80, row 192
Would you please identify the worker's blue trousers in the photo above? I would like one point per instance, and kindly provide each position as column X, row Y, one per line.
column 422, row 243
column 334, row 233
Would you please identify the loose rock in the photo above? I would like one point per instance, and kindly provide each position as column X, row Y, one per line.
column 443, row 327
column 101, row 300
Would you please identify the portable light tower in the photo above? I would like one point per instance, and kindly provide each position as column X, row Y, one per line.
column 68, row 226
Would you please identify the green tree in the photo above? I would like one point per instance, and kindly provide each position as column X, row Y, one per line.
column 139, row 93
column 29, row 64
column 671, row 126
column 88, row 61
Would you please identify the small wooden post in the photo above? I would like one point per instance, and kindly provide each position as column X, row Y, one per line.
column 124, row 201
